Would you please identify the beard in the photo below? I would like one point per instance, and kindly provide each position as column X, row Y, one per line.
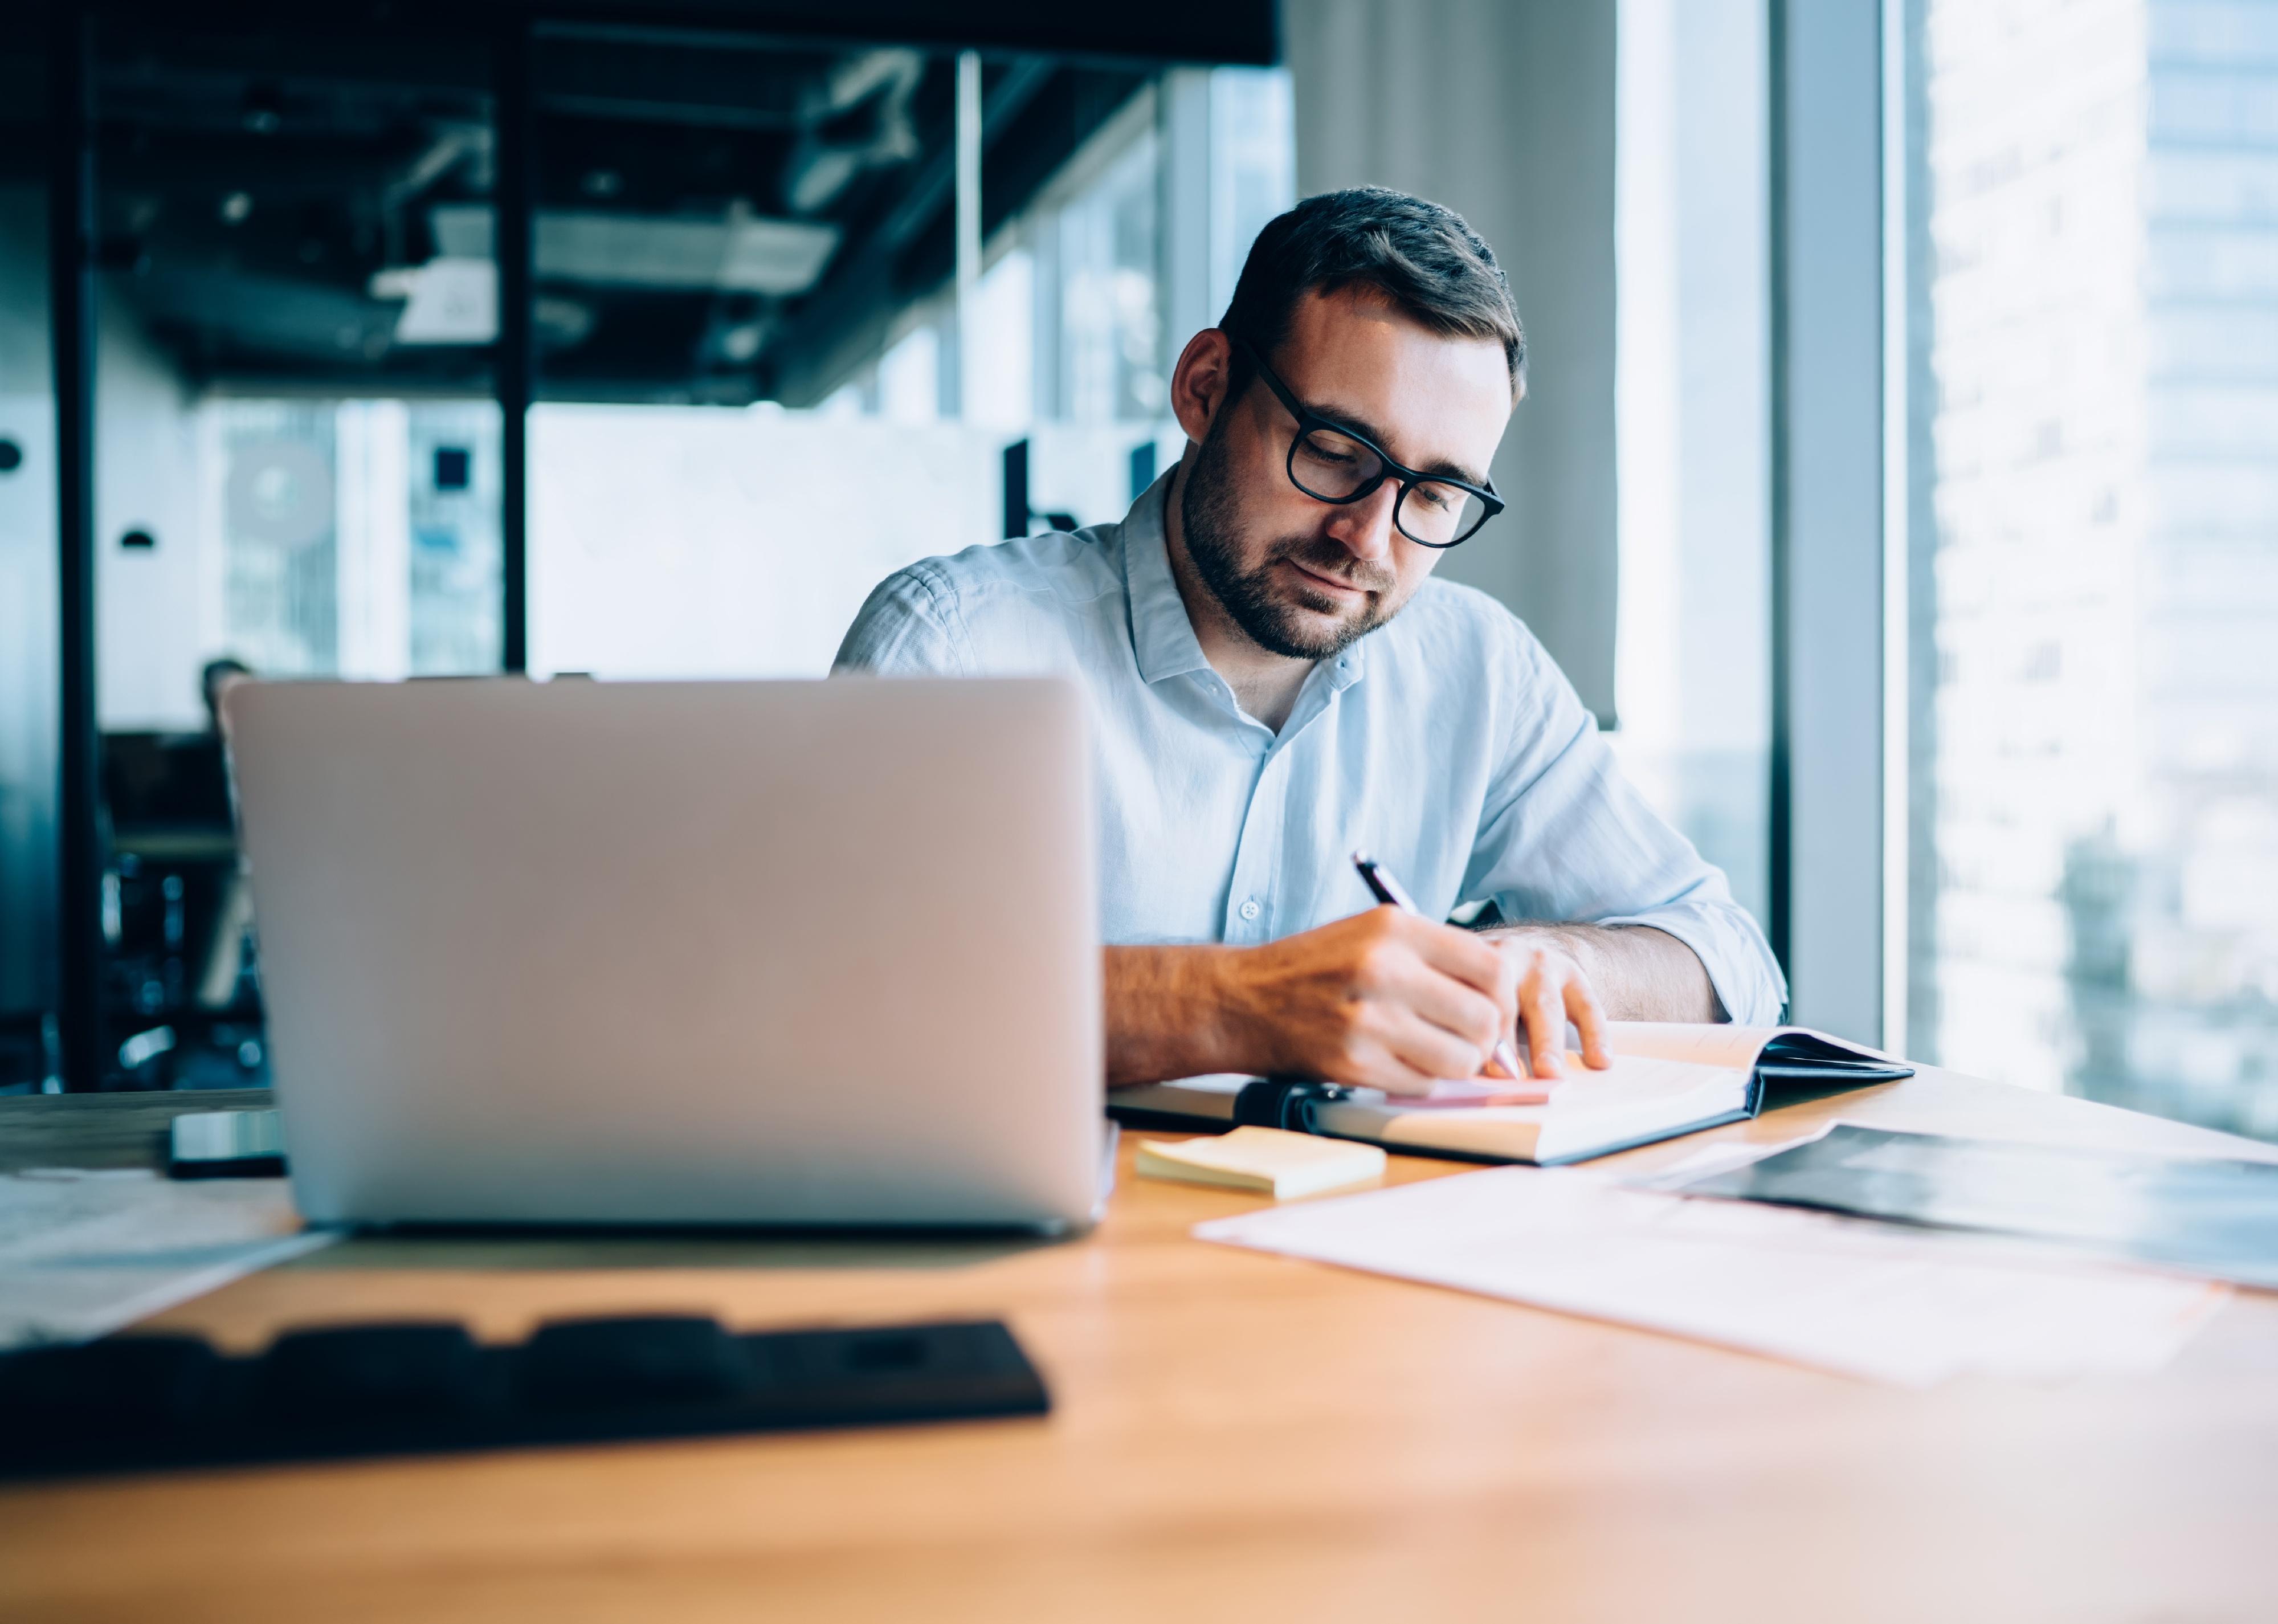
column 1279, row 618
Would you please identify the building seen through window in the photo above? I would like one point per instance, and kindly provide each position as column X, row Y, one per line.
column 2095, row 844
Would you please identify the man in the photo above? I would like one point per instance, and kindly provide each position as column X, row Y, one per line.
column 1276, row 682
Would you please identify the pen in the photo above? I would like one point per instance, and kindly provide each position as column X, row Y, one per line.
column 1384, row 888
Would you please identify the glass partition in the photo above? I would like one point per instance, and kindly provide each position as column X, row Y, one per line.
column 296, row 456
column 28, row 606
column 737, row 438
column 753, row 293
column 746, row 306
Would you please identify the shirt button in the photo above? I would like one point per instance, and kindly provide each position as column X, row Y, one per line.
column 1249, row 908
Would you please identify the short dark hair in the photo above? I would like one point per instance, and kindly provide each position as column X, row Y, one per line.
column 1423, row 259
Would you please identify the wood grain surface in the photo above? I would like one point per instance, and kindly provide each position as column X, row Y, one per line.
column 1233, row 1437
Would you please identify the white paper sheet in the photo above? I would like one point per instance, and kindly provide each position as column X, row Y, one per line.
column 1871, row 1300
column 1719, row 1156
column 82, row 1253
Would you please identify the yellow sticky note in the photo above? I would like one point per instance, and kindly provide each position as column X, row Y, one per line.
column 1266, row 1159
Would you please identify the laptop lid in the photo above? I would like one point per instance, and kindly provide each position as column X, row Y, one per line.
column 819, row 953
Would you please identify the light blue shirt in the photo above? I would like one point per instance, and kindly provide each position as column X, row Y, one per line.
column 1445, row 742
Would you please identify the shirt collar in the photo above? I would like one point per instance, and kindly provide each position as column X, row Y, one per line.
column 1162, row 633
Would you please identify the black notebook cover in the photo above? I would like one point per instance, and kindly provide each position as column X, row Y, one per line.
column 2203, row 1215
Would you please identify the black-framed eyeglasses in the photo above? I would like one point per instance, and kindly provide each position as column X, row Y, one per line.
column 1333, row 464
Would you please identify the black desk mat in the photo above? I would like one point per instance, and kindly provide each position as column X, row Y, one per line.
column 152, row 1402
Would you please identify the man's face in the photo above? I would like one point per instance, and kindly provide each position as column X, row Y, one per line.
column 1302, row 577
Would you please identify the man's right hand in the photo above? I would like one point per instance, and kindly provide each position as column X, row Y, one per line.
column 1382, row 999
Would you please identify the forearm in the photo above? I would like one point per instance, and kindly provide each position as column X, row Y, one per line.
column 1168, row 1015
column 1638, row 973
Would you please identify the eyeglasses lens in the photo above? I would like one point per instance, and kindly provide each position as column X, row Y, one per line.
column 1334, row 466
column 1330, row 466
column 1438, row 515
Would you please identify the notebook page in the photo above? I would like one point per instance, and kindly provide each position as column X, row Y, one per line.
column 1700, row 1045
column 1639, row 1097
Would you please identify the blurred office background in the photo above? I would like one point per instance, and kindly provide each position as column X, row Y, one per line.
column 1899, row 482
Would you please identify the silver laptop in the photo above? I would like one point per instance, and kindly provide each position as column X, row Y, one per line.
column 805, row 953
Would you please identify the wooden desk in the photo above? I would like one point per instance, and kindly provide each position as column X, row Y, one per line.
column 1294, row 1441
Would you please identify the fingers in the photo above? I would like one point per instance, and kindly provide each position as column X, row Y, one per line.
column 1422, row 1053
column 1434, row 1027
column 1405, row 968
column 1553, row 989
column 1542, row 1014
column 1486, row 1011
column 1582, row 1007
column 1389, row 1047
column 1389, row 1001
column 1473, row 1021
column 1467, row 956
column 1426, row 1000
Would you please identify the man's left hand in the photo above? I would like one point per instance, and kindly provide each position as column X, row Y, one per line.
column 1554, row 989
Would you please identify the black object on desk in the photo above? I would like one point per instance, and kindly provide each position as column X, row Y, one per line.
column 143, row 1403
column 1283, row 1102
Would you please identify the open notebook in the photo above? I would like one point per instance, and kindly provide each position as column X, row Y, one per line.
column 1666, row 1079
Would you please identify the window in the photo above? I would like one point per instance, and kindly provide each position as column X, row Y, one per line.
column 671, row 538
column 1693, row 637
column 355, row 537
column 297, row 459
column 759, row 389
column 2094, row 256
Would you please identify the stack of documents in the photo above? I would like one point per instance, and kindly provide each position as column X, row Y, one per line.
column 1866, row 1299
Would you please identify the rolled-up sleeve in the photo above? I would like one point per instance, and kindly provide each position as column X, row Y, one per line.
column 1564, row 837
